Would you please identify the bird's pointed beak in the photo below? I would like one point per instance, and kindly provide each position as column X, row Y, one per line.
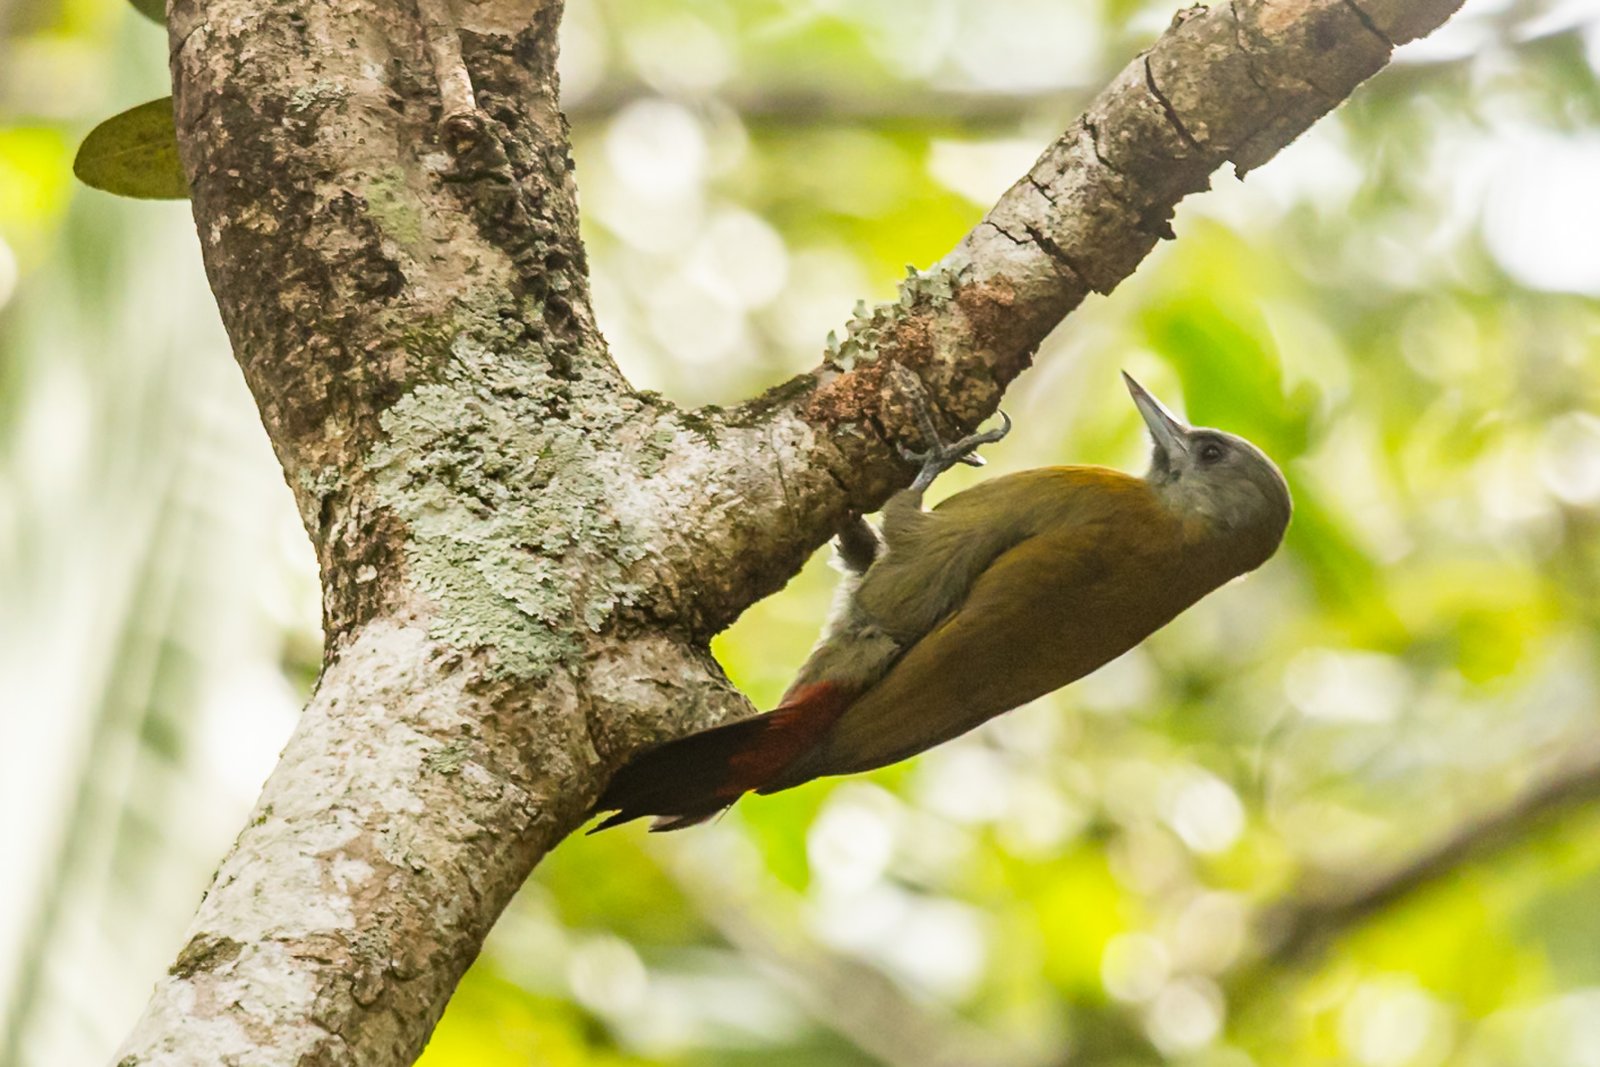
column 1171, row 434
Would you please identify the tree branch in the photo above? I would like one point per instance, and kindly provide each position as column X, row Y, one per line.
column 1233, row 83
column 521, row 557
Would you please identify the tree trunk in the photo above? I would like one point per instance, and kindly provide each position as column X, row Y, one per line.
column 522, row 558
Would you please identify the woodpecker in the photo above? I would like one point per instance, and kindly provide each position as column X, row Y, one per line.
column 1000, row 594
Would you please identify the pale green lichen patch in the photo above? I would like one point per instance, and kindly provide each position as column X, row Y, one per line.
column 392, row 204
column 653, row 450
column 447, row 758
column 512, row 532
column 205, row 952
column 320, row 93
column 935, row 286
column 867, row 329
column 319, row 483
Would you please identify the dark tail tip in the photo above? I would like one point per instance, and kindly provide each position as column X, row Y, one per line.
column 681, row 782
column 692, row 779
column 677, row 821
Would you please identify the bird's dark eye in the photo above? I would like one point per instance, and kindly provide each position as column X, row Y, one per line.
column 1211, row 452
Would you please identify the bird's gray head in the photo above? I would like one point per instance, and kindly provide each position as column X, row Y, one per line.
column 1219, row 477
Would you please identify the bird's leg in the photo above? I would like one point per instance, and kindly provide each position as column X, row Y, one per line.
column 939, row 457
column 903, row 516
column 858, row 544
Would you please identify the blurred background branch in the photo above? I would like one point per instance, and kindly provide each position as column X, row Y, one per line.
column 851, row 997
column 844, row 105
column 1322, row 908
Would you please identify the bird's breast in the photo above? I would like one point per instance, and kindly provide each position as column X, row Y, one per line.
column 1093, row 612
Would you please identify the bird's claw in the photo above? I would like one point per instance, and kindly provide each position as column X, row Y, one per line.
column 940, row 457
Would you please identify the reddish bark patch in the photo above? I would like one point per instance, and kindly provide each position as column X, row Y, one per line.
column 911, row 345
column 856, row 394
column 851, row 396
column 989, row 307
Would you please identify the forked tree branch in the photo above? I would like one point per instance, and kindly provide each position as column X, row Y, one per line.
column 521, row 557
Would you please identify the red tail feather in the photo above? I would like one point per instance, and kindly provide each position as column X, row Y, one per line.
column 689, row 780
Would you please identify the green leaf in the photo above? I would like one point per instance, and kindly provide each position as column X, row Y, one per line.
column 134, row 154
column 155, row 10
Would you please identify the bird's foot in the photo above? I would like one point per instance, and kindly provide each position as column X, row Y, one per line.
column 939, row 457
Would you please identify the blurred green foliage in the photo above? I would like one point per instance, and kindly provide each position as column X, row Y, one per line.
column 1401, row 309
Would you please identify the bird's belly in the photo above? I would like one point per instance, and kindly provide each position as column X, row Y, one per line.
column 1059, row 636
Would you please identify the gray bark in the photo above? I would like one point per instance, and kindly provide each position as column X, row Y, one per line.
column 523, row 558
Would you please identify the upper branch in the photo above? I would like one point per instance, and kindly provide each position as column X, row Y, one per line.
column 1232, row 83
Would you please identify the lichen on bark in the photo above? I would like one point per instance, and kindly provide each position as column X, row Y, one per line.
column 505, row 505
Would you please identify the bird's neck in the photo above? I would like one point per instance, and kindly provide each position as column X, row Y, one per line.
column 1228, row 552
column 1213, row 529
